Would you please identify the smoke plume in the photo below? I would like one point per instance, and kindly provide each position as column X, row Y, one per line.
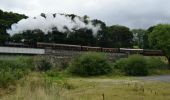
column 46, row 23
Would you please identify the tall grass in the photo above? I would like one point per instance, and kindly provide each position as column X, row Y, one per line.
column 12, row 70
column 35, row 87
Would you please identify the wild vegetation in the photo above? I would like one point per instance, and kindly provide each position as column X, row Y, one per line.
column 6, row 20
column 38, row 87
column 12, row 70
column 41, row 78
column 159, row 39
column 138, row 65
column 90, row 64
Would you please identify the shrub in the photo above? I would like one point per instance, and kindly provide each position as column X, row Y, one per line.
column 41, row 64
column 52, row 73
column 6, row 78
column 120, row 64
column 156, row 63
column 12, row 70
column 90, row 64
column 135, row 65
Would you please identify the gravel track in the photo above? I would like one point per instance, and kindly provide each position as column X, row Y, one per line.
column 161, row 78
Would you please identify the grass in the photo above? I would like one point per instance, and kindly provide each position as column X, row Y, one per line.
column 34, row 87
column 61, row 85
column 118, row 89
column 37, row 87
column 160, row 72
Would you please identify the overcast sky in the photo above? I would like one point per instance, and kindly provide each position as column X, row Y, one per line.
column 131, row 13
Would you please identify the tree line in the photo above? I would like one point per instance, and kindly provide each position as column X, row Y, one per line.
column 6, row 20
column 108, row 36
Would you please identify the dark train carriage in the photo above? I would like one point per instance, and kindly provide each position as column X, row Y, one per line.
column 131, row 51
column 58, row 46
column 88, row 48
column 153, row 52
column 14, row 44
column 44, row 45
column 111, row 50
column 67, row 47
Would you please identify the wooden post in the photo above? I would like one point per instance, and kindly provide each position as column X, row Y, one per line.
column 103, row 96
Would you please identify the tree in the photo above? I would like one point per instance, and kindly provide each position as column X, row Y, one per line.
column 120, row 36
column 81, row 37
column 102, row 35
column 16, row 38
column 56, row 37
column 159, row 38
column 6, row 20
column 3, row 38
column 31, row 37
column 145, row 38
column 138, row 37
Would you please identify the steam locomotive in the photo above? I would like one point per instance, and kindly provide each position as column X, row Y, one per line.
column 54, row 46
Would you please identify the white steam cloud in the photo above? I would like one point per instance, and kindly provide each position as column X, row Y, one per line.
column 46, row 24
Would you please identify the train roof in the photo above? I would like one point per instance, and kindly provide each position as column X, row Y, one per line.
column 90, row 47
column 129, row 49
column 13, row 43
column 110, row 48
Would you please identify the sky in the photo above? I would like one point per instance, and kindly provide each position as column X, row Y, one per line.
column 130, row 13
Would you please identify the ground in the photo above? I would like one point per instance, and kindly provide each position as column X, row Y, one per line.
column 94, row 88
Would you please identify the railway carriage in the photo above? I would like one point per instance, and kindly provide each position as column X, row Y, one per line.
column 88, row 48
column 111, row 50
column 147, row 52
column 55, row 46
column 131, row 51
column 58, row 46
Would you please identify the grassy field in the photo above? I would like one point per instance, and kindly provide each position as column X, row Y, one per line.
column 29, row 83
column 37, row 87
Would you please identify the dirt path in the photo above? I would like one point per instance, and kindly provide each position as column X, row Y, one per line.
column 161, row 78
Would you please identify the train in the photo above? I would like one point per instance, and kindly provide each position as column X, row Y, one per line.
column 55, row 46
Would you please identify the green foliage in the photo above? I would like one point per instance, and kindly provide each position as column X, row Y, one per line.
column 138, row 65
column 156, row 63
column 138, row 37
column 6, row 20
column 120, row 64
column 55, row 36
column 42, row 64
column 90, row 64
column 52, row 73
column 12, row 70
column 159, row 38
column 81, row 37
column 120, row 36
column 146, row 36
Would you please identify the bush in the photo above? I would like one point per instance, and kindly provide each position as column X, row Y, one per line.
column 90, row 64
column 135, row 65
column 156, row 63
column 41, row 64
column 52, row 73
column 138, row 65
column 12, row 70
column 120, row 64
